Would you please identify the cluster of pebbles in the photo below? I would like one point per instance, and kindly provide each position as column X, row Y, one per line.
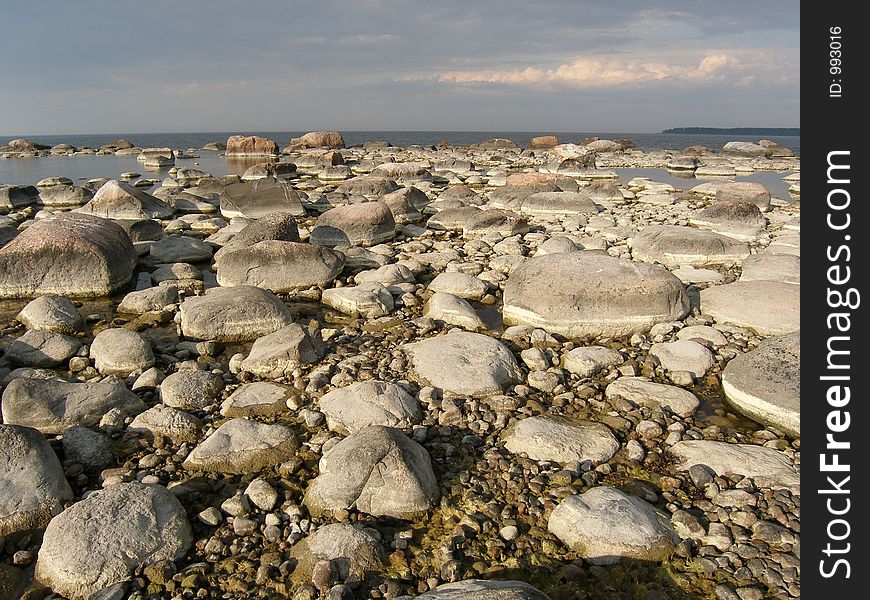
column 377, row 372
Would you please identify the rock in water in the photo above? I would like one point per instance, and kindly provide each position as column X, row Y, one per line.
column 578, row 294
column 465, row 364
column 767, row 307
column 482, row 589
column 561, row 440
column 250, row 145
column 16, row 196
column 51, row 406
column 765, row 384
column 88, row 547
column 279, row 266
column 69, row 255
column 33, row 487
column 241, row 313
column 359, row 405
column 377, row 470
column 604, row 524
column 122, row 201
column 319, row 139
column 363, row 224
column 241, row 446
column 353, row 551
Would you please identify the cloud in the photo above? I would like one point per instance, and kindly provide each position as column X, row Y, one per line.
column 595, row 71
column 194, row 88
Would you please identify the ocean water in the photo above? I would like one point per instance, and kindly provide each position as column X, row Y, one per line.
column 27, row 171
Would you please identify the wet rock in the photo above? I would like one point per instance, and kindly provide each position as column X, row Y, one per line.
column 121, row 352
column 561, row 440
column 362, row 404
column 87, row 547
column 243, row 446
column 240, row 313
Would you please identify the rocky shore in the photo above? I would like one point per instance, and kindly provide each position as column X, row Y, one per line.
column 479, row 372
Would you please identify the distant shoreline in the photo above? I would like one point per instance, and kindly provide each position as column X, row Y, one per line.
column 735, row 130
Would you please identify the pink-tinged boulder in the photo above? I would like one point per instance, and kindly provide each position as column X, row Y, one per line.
column 70, row 255
column 319, row 139
column 364, row 224
column 543, row 142
column 251, row 145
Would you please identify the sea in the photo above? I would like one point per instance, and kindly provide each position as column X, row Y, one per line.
column 27, row 171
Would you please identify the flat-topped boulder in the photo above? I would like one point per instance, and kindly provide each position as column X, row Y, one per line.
column 768, row 467
column 319, row 139
column 54, row 314
column 459, row 284
column 161, row 421
column 452, row 219
column 273, row 226
column 744, row 191
column 402, row 171
column 745, row 149
column 258, row 198
column 33, row 487
column 121, row 201
column 770, row 266
column 88, row 547
column 740, row 220
column 190, row 389
column 272, row 170
column 118, row 351
column 543, row 142
column 250, row 145
column 365, row 403
column 64, row 196
column 69, row 255
column 241, row 313
column 279, row 353
column 42, row 349
column 604, row 525
column 379, row 471
column 672, row 245
column 368, row 185
column 580, row 294
column 52, row 406
column 643, row 392
column 561, row 440
column 766, row 307
column 464, row 363
column 542, row 182
column 258, row 399
column 370, row 299
column 765, row 384
column 453, row 310
column 13, row 197
column 241, row 446
column 558, row 204
column 278, row 265
column 179, row 249
column 363, row 224
column 503, row 222
column 586, row 361
column 482, row 589
column 683, row 355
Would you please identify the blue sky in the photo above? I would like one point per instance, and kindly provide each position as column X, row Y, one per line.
column 635, row 66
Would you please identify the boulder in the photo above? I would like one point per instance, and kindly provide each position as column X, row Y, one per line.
column 641, row 391
column 64, row 196
column 369, row 299
column 273, row 226
column 464, row 364
column 368, row 185
column 52, row 313
column 746, row 149
column 558, row 204
column 379, row 471
column 42, row 349
column 279, row 353
column 561, row 440
column 577, row 294
column 459, row 284
column 542, row 182
column 179, row 248
column 121, row 201
column 770, row 266
column 503, row 222
column 250, row 145
column 683, row 355
column 365, row 403
column 258, row 399
column 52, row 405
column 543, row 142
column 241, row 313
column 148, row 300
column 765, row 384
column 33, row 487
column 164, row 421
column 768, row 467
column 740, row 220
column 586, row 361
column 453, row 310
column 271, row 170
column 672, row 246
column 88, row 547
column 190, row 389
column 353, row 552
column 278, row 266
column 258, row 198
column 604, row 525
column 744, row 191
column 482, row 589
column 242, row 446
column 71, row 255
column 119, row 351
column 766, row 307
column 363, row 224
column 497, row 144
column 13, row 197
column 319, row 139
column 402, row 171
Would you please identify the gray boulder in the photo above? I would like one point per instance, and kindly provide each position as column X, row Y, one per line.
column 258, row 399
column 744, row 191
column 279, row 353
column 42, row 349
column 363, row 224
column 378, row 471
column 673, row 246
column 88, row 547
column 643, row 392
column 119, row 351
column 121, row 201
column 70, row 255
column 179, row 249
column 482, row 589
column 150, row 299
column 241, row 313
column 359, row 405
column 259, row 198
column 64, row 196
column 561, row 440
column 770, row 266
column 190, row 389
column 273, row 226
column 165, row 421
column 279, row 266
column 503, row 222
column 33, row 487
column 767, row 307
column 242, row 446
column 768, row 467
column 354, row 552
column 459, row 284
column 368, row 185
column 13, row 197
column 558, row 204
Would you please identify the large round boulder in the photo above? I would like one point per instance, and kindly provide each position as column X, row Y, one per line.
column 241, row 313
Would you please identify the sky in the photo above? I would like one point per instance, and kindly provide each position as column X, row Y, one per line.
column 108, row 66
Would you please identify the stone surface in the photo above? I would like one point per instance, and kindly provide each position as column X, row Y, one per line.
column 165, row 421
column 279, row 266
column 744, row 191
column 354, row 552
column 464, row 363
column 279, row 226
column 368, row 185
column 765, row 384
column 42, row 349
column 258, row 399
column 683, row 355
column 147, row 300
column 639, row 390
column 250, row 145
column 482, row 589
column 33, row 487
column 279, row 353
column 453, row 310
column 377, row 470
column 363, row 224
column 87, row 547
column 502, row 222
column 119, row 351
column 53, row 314
column 179, row 249
column 672, row 246
column 51, row 406
column 558, row 204
column 359, row 405
column 370, row 300
column 604, row 525
column 259, row 198
column 589, row 360
column 459, row 284
column 578, row 294
column 772, row 267
column 319, row 139
column 242, row 446
column 241, row 313
column 190, row 389
column 69, row 255
column 767, row 307
column 768, row 467
column 561, row 440
column 119, row 200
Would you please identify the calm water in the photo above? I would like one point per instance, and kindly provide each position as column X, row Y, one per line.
column 82, row 168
